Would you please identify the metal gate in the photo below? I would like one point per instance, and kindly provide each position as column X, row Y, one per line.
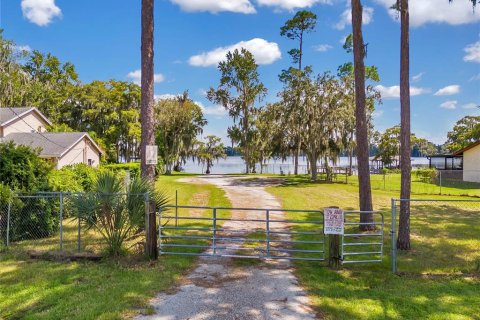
column 362, row 247
column 247, row 233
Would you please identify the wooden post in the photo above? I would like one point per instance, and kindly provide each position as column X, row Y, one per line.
column 151, row 249
column 334, row 254
column 334, row 251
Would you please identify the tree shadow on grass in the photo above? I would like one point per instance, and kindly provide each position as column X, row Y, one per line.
column 54, row 290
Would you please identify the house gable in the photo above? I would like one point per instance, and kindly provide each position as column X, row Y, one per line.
column 22, row 120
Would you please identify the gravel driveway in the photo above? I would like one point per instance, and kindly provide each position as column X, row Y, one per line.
column 218, row 288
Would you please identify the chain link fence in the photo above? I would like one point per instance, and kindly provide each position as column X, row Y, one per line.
column 445, row 182
column 444, row 235
column 46, row 222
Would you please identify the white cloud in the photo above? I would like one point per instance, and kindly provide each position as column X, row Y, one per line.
column 436, row 11
column 346, row 18
column 166, row 96
column 22, row 48
column 473, row 52
column 264, row 52
column 475, row 77
column 215, row 110
column 471, row 105
column 216, row 6
column 418, row 77
column 322, row 47
column 136, row 77
column 343, row 39
column 40, row 12
column 377, row 114
column 393, row 92
column 451, row 104
column 291, row 4
column 448, row 90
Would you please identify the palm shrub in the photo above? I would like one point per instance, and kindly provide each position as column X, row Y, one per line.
column 115, row 210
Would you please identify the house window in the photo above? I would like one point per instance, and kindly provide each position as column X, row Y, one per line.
column 90, row 162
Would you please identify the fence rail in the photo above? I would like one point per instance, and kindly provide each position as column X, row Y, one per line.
column 258, row 233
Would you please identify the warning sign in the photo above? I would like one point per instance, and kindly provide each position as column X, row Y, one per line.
column 333, row 221
column 151, row 154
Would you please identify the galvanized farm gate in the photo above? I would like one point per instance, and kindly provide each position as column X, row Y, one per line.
column 263, row 234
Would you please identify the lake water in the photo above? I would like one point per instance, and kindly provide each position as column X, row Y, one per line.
column 236, row 165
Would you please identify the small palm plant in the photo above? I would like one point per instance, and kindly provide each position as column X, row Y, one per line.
column 117, row 211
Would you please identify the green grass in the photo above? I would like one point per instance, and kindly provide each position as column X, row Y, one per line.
column 391, row 182
column 110, row 289
column 439, row 277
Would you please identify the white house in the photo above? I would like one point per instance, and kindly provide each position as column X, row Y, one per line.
column 28, row 126
column 471, row 162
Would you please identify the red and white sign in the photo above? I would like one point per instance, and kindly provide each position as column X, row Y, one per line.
column 333, row 221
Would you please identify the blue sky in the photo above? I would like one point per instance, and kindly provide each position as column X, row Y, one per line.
column 102, row 39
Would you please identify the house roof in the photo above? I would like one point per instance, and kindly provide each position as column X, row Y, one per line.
column 52, row 144
column 8, row 115
column 461, row 151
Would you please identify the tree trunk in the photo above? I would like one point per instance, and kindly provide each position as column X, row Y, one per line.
column 297, row 155
column 350, row 161
column 403, row 241
column 313, row 167
column 146, row 115
column 365, row 192
column 208, row 167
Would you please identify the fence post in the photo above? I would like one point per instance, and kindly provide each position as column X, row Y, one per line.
column 8, row 222
column 394, row 236
column 176, row 208
column 150, row 230
column 440, row 174
column 334, row 254
column 61, row 221
column 214, row 240
column 160, row 230
column 334, row 251
column 268, row 232
column 79, row 235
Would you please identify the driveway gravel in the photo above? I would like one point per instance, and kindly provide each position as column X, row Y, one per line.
column 219, row 288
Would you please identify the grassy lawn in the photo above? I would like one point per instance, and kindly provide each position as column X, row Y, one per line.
column 111, row 289
column 439, row 278
column 391, row 182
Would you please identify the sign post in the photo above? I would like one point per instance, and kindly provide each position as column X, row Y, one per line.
column 334, row 225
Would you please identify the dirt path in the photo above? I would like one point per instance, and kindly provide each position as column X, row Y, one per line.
column 220, row 289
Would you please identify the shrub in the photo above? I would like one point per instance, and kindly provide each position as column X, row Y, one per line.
column 34, row 218
column 390, row 171
column 132, row 167
column 426, row 175
column 75, row 178
column 115, row 210
column 21, row 169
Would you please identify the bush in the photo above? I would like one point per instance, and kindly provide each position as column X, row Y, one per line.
column 76, row 178
column 34, row 218
column 116, row 211
column 22, row 169
column 390, row 171
column 426, row 175
column 132, row 167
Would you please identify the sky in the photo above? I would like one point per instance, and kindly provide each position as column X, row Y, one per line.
column 102, row 39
